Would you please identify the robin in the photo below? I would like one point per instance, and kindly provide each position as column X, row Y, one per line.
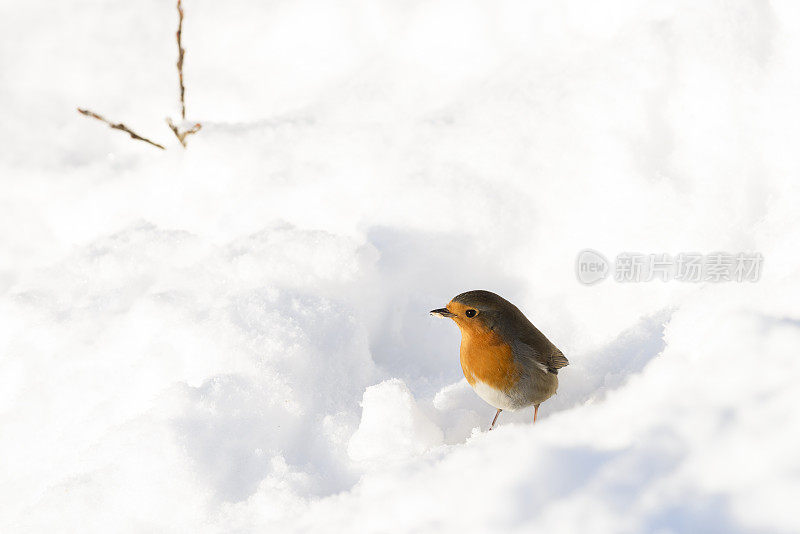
column 509, row 363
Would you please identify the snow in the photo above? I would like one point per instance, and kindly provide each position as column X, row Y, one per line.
column 235, row 337
column 392, row 426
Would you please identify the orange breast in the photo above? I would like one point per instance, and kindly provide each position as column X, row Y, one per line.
column 486, row 357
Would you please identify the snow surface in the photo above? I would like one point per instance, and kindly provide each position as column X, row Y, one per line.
column 235, row 338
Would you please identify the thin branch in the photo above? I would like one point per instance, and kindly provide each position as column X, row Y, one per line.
column 182, row 134
column 118, row 126
column 179, row 132
column 181, row 52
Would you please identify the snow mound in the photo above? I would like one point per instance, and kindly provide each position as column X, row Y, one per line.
column 392, row 426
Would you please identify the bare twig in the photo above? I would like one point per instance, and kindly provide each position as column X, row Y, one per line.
column 179, row 132
column 181, row 52
column 178, row 129
column 182, row 134
column 119, row 126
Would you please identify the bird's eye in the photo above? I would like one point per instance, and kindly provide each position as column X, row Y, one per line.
column 470, row 313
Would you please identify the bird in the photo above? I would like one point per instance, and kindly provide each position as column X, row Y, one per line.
column 508, row 362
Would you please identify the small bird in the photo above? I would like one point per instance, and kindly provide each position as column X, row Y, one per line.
column 507, row 360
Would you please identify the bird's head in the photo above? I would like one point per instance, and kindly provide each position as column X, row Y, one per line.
column 477, row 312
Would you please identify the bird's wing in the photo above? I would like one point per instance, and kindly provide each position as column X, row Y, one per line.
column 533, row 347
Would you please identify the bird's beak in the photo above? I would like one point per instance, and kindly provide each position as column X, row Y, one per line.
column 443, row 312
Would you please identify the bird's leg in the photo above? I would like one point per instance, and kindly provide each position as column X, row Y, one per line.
column 495, row 418
column 535, row 412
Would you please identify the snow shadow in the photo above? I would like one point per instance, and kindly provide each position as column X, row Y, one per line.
column 592, row 375
column 418, row 272
column 574, row 472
